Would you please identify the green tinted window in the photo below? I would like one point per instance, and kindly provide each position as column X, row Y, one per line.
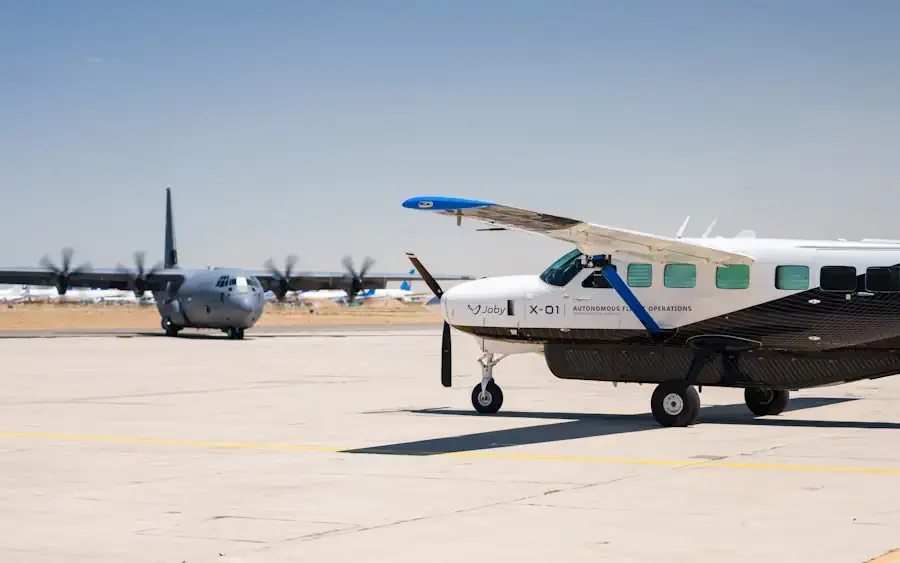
column 736, row 276
column 680, row 275
column 792, row 277
column 640, row 275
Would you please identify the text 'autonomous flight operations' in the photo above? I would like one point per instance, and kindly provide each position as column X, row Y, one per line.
column 227, row 299
column 766, row 315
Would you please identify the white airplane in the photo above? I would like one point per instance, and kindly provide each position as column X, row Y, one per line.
column 13, row 294
column 765, row 315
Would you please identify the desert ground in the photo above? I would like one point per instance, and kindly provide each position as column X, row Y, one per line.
column 64, row 316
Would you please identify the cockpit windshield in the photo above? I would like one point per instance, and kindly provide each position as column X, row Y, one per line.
column 564, row 269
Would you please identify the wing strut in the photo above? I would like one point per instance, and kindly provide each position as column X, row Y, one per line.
column 627, row 296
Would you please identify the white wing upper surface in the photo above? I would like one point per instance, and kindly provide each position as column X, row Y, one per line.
column 588, row 237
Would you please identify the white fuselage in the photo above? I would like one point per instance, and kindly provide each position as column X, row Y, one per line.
column 526, row 301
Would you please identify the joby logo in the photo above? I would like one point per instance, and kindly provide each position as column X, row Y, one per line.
column 487, row 309
column 426, row 204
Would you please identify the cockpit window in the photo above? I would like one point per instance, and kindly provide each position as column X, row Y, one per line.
column 564, row 269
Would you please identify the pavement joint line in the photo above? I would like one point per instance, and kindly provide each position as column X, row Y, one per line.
column 471, row 454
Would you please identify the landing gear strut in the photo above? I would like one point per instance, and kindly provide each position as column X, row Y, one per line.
column 487, row 397
column 677, row 403
column 235, row 333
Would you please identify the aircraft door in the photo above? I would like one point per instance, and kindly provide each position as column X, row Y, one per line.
column 593, row 303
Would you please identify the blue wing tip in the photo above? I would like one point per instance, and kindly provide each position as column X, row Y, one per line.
column 437, row 203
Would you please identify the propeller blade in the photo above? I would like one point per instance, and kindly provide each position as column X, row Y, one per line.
column 347, row 262
column 446, row 375
column 432, row 283
column 367, row 264
column 47, row 263
column 289, row 265
column 68, row 252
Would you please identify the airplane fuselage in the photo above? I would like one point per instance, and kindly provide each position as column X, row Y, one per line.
column 220, row 298
column 813, row 312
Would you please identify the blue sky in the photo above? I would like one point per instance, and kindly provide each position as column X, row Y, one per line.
column 300, row 127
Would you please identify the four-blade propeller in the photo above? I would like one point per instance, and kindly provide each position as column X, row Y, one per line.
column 282, row 280
column 138, row 278
column 353, row 280
column 446, row 377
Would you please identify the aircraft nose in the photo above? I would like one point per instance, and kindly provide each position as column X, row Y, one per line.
column 244, row 303
column 497, row 299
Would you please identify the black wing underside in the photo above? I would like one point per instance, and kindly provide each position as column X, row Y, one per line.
column 105, row 278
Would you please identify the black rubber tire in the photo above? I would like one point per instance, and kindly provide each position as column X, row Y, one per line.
column 689, row 403
column 766, row 402
column 496, row 398
column 170, row 328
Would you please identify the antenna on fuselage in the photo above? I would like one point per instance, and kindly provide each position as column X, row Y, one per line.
column 709, row 228
column 683, row 226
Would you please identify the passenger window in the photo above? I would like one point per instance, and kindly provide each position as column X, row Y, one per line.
column 792, row 277
column 680, row 275
column 837, row 278
column 597, row 280
column 883, row 279
column 640, row 275
column 736, row 276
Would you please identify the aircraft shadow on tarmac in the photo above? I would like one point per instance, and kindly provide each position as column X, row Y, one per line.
column 595, row 425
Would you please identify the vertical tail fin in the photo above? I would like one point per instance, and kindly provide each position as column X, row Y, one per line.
column 171, row 255
column 406, row 285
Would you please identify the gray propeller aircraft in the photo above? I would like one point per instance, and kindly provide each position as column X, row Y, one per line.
column 228, row 299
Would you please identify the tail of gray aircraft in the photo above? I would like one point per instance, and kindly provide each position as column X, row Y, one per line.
column 171, row 255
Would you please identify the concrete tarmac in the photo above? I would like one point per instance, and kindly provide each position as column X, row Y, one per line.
column 343, row 446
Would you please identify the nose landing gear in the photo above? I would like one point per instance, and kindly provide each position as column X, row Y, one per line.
column 487, row 397
column 234, row 333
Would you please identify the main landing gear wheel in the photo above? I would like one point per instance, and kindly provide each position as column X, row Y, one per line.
column 171, row 328
column 488, row 401
column 675, row 403
column 235, row 333
column 763, row 402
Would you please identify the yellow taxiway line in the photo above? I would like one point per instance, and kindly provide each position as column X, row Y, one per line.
column 465, row 454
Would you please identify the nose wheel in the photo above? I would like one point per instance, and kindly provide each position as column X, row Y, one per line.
column 487, row 400
column 487, row 397
column 235, row 333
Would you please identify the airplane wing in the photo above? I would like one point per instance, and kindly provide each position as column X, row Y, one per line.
column 588, row 237
column 311, row 281
column 100, row 278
